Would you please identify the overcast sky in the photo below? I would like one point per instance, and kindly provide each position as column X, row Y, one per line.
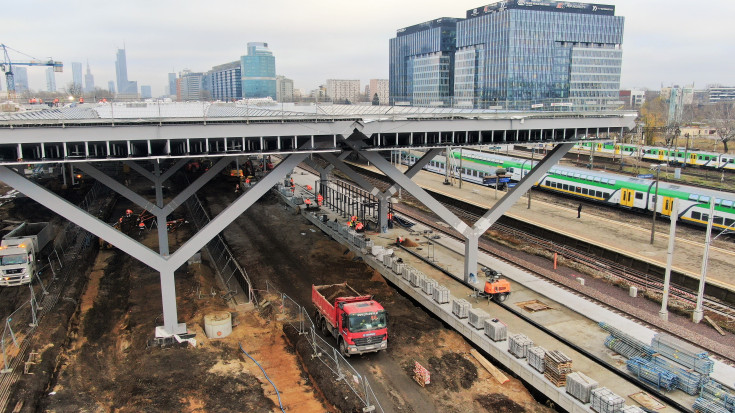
column 665, row 42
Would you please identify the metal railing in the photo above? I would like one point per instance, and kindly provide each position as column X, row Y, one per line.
column 220, row 255
column 329, row 356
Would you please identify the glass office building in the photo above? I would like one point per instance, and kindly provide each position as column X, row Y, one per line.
column 422, row 63
column 518, row 53
column 258, row 69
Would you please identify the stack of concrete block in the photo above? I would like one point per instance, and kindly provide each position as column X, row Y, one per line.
column 407, row 271
column 376, row 249
column 605, row 401
column 536, row 358
column 632, row 409
column 580, row 386
column 496, row 329
column 558, row 366
column 477, row 318
column 416, row 277
column 460, row 308
column 398, row 267
column 369, row 244
column 518, row 345
column 441, row 294
column 388, row 260
column 427, row 285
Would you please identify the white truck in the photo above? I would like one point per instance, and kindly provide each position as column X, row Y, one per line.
column 20, row 252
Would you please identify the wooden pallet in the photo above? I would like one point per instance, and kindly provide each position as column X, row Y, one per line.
column 558, row 381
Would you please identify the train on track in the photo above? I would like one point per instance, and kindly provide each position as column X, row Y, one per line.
column 672, row 156
column 607, row 188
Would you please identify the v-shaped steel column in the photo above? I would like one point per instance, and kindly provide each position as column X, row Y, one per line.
column 163, row 262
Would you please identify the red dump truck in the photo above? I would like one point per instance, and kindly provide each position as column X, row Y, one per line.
column 358, row 322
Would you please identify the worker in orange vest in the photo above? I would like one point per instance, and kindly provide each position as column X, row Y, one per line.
column 358, row 227
column 319, row 199
column 247, row 182
column 307, row 201
column 390, row 220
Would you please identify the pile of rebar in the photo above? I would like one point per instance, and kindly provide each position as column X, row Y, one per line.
column 630, row 345
column 518, row 345
column 683, row 353
column 580, row 386
column 557, row 367
column 652, row 373
column 605, row 401
column 717, row 394
column 689, row 381
column 536, row 358
column 702, row 405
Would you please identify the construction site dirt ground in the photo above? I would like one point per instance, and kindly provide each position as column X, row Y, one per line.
column 98, row 357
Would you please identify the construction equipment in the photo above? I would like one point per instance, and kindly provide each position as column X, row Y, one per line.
column 7, row 68
column 496, row 288
column 20, row 252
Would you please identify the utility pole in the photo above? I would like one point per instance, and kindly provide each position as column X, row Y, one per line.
column 698, row 311
column 460, row 168
column 664, row 312
column 531, row 187
column 655, row 203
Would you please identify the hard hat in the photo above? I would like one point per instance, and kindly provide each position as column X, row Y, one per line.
column 128, row 211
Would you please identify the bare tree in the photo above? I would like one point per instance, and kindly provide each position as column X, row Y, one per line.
column 722, row 119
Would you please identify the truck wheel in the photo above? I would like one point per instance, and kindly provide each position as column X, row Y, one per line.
column 343, row 348
column 325, row 328
column 500, row 297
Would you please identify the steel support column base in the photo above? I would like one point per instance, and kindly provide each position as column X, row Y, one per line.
column 664, row 315
column 697, row 316
column 179, row 328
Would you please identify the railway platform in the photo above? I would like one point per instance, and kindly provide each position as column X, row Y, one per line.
column 565, row 314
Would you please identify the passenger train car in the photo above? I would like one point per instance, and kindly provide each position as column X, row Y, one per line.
column 682, row 156
column 596, row 186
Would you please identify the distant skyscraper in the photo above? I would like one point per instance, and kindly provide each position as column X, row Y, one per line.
column 258, row 69
column 50, row 80
column 21, row 79
column 343, row 91
column 422, row 63
column 88, row 81
column 172, row 83
column 76, row 73
column 191, row 85
column 124, row 86
column 145, row 92
column 225, row 82
column 284, row 89
column 111, row 86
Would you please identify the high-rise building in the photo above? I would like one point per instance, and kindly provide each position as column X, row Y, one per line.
column 76, row 74
column 21, row 79
column 88, row 81
column 258, row 69
column 378, row 87
column 124, row 86
column 716, row 93
column 225, row 82
column 284, row 89
column 145, row 92
column 513, row 54
column 531, row 52
column 50, row 80
column 422, row 63
column 111, row 86
column 343, row 91
column 191, row 85
column 172, row 83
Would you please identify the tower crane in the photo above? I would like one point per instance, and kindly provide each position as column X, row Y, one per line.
column 7, row 67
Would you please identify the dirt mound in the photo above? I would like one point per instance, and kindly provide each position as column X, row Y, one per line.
column 409, row 243
column 452, row 371
column 499, row 403
column 337, row 290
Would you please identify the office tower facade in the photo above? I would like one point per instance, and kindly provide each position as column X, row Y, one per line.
column 716, row 93
column 380, row 88
column 516, row 53
column 422, row 63
column 284, row 89
column 343, row 91
column 111, row 86
column 190, row 84
column 88, row 80
column 76, row 74
column 21, row 79
column 124, row 86
column 172, row 84
column 145, row 92
column 225, row 82
column 258, row 69
column 50, row 80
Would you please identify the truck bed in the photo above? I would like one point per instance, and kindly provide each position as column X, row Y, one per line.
column 331, row 292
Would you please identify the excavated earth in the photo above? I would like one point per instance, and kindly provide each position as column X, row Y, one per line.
column 97, row 354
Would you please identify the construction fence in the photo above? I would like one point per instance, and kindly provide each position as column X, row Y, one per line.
column 298, row 318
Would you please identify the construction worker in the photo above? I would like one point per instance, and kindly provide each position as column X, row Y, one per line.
column 399, row 240
column 390, row 220
column 358, row 226
column 237, row 187
column 307, row 201
column 319, row 199
column 247, row 182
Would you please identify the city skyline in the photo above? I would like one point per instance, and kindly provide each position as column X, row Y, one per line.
column 665, row 43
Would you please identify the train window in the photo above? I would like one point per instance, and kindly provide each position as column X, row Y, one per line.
column 599, row 194
column 704, row 199
column 597, row 179
column 696, row 215
column 729, row 222
column 611, row 182
column 577, row 175
column 565, row 187
column 727, row 203
column 585, row 191
column 604, row 180
column 717, row 201
column 693, row 197
column 583, row 176
column 639, row 195
column 705, row 217
column 510, row 170
column 578, row 190
column 718, row 220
